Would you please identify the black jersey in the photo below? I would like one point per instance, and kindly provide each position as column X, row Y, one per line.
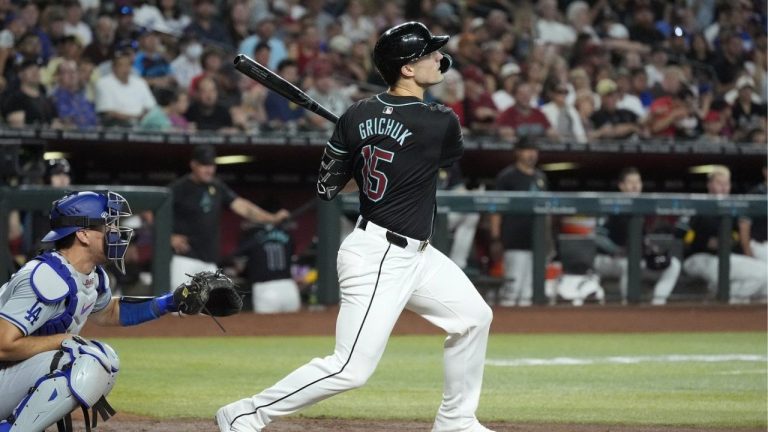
column 197, row 214
column 269, row 254
column 516, row 230
column 759, row 230
column 397, row 144
column 704, row 228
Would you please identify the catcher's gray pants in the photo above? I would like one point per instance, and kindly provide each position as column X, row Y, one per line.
column 16, row 380
column 378, row 280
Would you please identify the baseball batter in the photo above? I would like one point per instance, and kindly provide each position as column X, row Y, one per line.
column 46, row 370
column 393, row 144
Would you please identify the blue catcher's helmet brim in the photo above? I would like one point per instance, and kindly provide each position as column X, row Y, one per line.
column 59, row 234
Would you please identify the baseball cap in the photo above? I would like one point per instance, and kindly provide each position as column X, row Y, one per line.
column 24, row 63
column 204, row 154
column 473, row 73
column 606, row 86
column 525, row 143
column 125, row 10
column 340, row 44
column 125, row 47
column 57, row 166
column 745, row 81
column 509, row 69
column 712, row 116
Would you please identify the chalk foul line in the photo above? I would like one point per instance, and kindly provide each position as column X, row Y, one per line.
column 585, row 361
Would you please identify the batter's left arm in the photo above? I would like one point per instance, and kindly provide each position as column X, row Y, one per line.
column 335, row 174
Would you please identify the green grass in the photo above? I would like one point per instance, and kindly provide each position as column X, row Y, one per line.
column 172, row 378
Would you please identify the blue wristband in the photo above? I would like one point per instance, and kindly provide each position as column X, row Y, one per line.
column 165, row 303
column 136, row 311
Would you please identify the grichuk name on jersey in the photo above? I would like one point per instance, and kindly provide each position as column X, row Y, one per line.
column 384, row 126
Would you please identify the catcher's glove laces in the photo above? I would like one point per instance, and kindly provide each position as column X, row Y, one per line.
column 207, row 312
column 212, row 293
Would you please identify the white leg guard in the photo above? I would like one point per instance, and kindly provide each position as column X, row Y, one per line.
column 47, row 402
column 83, row 381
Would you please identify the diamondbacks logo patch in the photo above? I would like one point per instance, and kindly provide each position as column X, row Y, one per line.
column 388, row 110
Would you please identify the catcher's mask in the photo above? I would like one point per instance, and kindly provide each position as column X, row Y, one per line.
column 403, row 44
column 94, row 210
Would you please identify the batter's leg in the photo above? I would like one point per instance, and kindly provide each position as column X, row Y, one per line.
column 375, row 286
column 447, row 299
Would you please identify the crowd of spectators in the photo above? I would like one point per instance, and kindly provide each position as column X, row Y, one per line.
column 565, row 70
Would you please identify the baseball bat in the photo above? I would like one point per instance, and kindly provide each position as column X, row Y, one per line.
column 256, row 71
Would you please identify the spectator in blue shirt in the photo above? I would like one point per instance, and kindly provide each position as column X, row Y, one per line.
column 74, row 110
column 281, row 112
column 150, row 63
column 265, row 33
column 206, row 28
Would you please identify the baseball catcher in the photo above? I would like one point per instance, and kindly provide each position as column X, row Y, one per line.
column 46, row 369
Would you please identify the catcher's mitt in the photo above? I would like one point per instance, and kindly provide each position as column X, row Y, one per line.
column 212, row 293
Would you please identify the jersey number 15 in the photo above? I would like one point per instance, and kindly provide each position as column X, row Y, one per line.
column 374, row 180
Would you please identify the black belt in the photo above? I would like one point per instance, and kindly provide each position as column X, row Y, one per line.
column 395, row 238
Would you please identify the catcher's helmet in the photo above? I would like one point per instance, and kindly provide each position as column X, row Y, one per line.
column 78, row 210
column 404, row 43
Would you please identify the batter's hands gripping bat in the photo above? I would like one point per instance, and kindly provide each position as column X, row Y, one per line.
column 256, row 71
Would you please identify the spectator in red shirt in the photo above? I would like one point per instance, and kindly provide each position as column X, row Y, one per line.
column 521, row 119
column 666, row 112
column 450, row 93
column 479, row 110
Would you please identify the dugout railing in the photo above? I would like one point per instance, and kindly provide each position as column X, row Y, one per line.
column 141, row 198
column 539, row 206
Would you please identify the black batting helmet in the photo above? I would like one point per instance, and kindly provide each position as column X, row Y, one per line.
column 404, row 43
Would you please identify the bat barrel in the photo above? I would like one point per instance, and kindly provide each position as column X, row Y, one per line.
column 279, row 85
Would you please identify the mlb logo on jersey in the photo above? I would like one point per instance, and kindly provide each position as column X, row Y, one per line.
column 388, row 110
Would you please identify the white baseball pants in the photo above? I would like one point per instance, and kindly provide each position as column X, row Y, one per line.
column 181, row 266
column 276, row 296
column 518, row 276
column 748, row 278
column 463, row 226
column 377, row 281
column 610, row 266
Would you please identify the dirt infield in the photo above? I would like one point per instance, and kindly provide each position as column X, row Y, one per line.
column 545, row 319
column 128, row 424
column 551, row 319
